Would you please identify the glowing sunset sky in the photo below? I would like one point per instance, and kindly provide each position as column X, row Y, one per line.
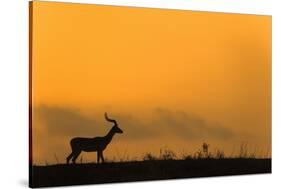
column 172, row 79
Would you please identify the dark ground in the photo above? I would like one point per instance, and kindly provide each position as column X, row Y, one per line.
column 62, row 174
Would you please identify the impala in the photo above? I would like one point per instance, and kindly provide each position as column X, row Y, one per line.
column 96, row 144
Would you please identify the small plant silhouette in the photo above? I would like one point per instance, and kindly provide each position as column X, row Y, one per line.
column 166, row 154
column 149, row 157
column 205, row 148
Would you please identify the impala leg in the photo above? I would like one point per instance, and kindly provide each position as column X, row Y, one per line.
column 69, row 157
column 75, row 156
column 98, row 156
column 101, row 155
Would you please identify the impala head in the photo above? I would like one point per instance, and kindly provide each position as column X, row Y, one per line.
column 115, row 127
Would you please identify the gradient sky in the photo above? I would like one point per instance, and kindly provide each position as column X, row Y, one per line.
column 172, row 79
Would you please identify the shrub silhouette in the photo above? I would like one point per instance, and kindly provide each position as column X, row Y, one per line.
column 166, row 154
column 149, row 157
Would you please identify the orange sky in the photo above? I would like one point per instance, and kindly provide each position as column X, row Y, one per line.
column 171, row 78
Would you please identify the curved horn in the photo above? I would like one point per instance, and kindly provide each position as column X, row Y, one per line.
column 110, row 120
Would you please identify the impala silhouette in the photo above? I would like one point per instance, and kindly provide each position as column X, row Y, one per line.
column 96, row 144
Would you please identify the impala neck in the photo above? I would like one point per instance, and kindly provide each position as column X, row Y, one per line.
column 109, row 135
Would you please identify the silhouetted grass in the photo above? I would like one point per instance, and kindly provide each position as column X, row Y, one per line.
column 166, row 165
column 92, row 173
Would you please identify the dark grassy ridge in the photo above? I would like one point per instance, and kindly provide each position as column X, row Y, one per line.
column 60, row 175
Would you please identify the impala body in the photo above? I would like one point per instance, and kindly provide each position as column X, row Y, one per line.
column 96, row 144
